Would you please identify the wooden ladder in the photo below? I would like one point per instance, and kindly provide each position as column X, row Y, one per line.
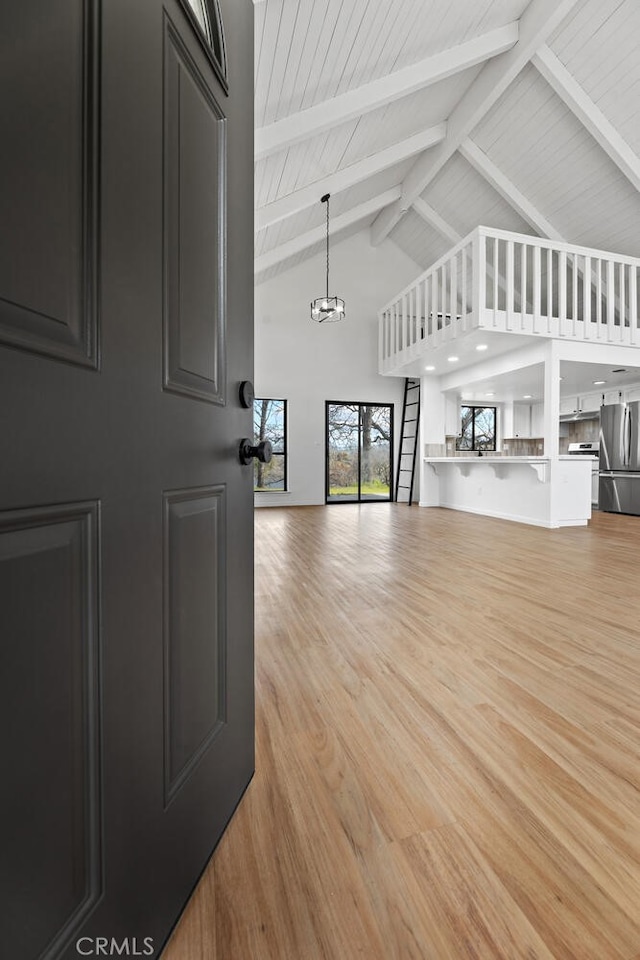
column 405, row 476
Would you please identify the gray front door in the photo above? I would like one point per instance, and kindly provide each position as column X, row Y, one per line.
column 126, row 659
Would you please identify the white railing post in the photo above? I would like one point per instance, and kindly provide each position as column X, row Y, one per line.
column 549, row 290
column 623, row 302
column 463, row 290
column 599, row 323
column 633, row 303
column 586, row 298
column 574, row 298
column 611, row 300
column 562, row 293
column 454, row 291
column 537, row 287
column 511, row 269
column 496, row 275
column 523, row 284
column 481, row 276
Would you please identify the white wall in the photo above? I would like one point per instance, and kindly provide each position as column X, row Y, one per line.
column 307, row 363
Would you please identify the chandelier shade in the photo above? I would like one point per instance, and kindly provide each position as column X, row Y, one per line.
column 327, row 309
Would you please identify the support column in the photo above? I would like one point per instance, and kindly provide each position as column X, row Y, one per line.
column 551, row 399
column 432, row 412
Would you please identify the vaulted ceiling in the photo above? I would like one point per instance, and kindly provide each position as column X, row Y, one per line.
column 425, row 118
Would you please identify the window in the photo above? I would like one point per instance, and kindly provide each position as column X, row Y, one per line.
column 478, row 429
column 270, row 423
column 359, row 452
column 206, row 14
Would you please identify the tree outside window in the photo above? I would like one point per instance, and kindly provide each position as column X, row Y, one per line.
column 478, row 429
column 270, row 423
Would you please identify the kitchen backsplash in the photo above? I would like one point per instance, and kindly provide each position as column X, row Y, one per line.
column 579, row 431
column 523, row 447
column 576, row 431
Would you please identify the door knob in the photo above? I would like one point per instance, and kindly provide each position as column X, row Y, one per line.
column 261, row 450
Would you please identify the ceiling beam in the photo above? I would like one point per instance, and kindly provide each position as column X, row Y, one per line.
column 354, row 103
column 342, row 222
column 580, row 104
column 537, row 23
column 348, row 177
column 507, row 189
column 433, row 218
column 444, row 228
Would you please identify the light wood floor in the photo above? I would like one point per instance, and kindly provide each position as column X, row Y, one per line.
column 448, row 744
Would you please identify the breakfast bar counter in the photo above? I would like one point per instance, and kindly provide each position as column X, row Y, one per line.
column 545, row 491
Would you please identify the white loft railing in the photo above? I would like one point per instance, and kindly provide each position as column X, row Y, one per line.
column 510, row 282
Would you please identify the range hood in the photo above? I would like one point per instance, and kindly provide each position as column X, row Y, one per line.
column 582, row 415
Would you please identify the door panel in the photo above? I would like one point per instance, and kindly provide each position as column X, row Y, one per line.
column 620, row 493
column 613, row 454
column 125, row 516
column 634, row 435
column 343, row 454
column 376, row 444
column 195, row 628
column 50, row 796
column 47, row 264
column 195, row 167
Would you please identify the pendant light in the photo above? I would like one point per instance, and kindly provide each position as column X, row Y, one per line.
column 327, row 309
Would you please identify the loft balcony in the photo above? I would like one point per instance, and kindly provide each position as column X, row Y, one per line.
column 498, row 285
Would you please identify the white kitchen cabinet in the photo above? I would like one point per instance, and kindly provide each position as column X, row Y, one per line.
column 585, row 402
column 631, row 393
column 528, row 420
column 521, row 420
column 590, row 401
column 452, row 417
column 568, row 405
column 612, row 396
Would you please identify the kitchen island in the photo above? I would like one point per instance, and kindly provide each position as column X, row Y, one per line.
column 544, row 491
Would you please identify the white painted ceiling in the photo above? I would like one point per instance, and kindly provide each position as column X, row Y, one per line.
column 425, row 118
column 526, row 385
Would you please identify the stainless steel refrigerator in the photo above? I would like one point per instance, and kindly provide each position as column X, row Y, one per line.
column 620, row 458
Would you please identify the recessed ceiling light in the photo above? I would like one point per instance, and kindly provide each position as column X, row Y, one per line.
column 620, row 370
column 528, row 396
column 429, row 368
column 453, row 359
column 481, row 346
column 598, row 383
column 490, row 394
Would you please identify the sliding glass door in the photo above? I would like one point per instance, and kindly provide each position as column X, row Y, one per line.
column 359, row 452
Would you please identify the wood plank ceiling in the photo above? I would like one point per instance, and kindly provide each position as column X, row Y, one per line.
column 425, row 118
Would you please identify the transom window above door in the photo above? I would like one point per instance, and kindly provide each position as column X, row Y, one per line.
column 206, row 14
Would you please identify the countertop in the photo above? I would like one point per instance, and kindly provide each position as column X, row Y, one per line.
column 507, row 459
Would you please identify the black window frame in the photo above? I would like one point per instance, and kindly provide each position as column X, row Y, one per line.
column 360, row 404
column 474, row 448
column 214, row 46
column 284, row 453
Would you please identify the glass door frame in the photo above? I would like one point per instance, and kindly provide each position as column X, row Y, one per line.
column 359, row 498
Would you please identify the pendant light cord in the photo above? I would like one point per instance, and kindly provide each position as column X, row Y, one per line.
column 325, row 199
